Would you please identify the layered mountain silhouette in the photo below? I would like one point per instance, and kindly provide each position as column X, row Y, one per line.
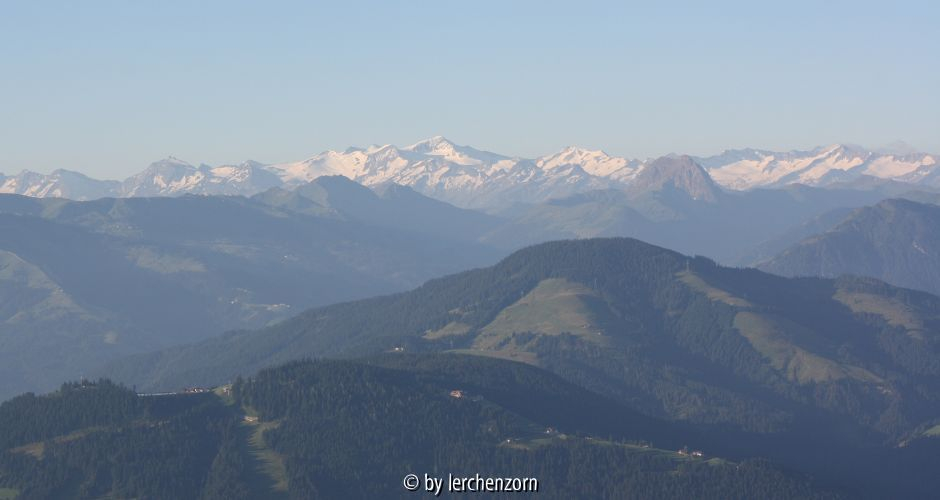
column 84, row 282
column 694, row 218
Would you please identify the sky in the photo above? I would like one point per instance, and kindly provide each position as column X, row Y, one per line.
column 107, row 87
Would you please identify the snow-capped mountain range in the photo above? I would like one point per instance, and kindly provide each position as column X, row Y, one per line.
column 839, row 163
column 473, row 178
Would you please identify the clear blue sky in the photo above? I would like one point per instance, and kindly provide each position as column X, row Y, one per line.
column 106, row 87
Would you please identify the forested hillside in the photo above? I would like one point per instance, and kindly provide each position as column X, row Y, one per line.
column 90, row 440
column 823, row 376
column 355, row 430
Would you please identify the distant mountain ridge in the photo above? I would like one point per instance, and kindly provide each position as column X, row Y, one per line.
column 473, row 178
column 896, row 240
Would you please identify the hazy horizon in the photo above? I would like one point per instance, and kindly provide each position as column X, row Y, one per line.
column 130, row 170
column 107, row 88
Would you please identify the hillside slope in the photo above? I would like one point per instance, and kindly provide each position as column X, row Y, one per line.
column 673, row 336
column 897, row 241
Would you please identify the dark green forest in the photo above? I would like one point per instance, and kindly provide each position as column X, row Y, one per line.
column 354, row 429
column 89, row 440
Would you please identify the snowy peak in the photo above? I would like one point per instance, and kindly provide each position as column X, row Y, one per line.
column 437, row 145
column 58, row 184
column 594, row 162
column 251, row 164
column 171, row 177
column 170, row 162
column 169, row 166
column 574, row 154
column 346, row 163
column 168, row 176
column 441, row 146
column 248, row 177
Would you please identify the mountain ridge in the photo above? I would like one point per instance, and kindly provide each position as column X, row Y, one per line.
column 895, row 240
column 474, row 178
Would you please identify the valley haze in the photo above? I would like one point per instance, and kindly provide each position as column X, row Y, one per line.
column 650, row 260
column 210, row 289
